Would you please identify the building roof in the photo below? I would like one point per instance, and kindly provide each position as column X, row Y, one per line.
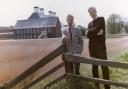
column 36, row 15
column 6, row 29
column 37, row 20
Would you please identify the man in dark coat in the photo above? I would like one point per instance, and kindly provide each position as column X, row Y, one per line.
column 97, row 46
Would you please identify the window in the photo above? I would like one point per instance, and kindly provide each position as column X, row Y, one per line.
column 49, row 30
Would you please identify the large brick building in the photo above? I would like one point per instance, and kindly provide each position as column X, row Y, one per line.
column 38, row 25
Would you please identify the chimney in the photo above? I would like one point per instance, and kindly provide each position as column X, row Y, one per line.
column 50, row 13
column 36, row 9
column 42, row 11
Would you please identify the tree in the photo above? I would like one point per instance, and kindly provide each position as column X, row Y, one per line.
column 115, row 24
column 126, row 27
column 82, row 29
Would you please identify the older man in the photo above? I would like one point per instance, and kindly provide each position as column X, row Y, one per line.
column 74, row 44
column 97, row 46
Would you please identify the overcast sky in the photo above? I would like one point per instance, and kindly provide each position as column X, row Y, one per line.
column 13, row 10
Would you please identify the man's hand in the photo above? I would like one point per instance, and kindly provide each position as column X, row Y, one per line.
column 100, row 33
column 86, row 32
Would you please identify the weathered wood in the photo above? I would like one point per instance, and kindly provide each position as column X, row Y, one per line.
column 96, row 80
column 76, row 58
column 36, row 66
column 55, row 81
column 2, row 87
column 44, row 76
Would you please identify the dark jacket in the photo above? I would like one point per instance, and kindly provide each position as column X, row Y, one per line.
column 99, row 23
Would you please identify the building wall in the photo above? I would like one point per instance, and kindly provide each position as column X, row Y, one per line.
column 6, row 33
column 58, row 29
column 32, row 33
column 6, row 36
column 51, row 32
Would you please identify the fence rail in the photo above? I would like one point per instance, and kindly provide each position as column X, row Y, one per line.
column 44, row 76
column 48, row 58
column 55, row 81
column 97, row 80
column 76, row 58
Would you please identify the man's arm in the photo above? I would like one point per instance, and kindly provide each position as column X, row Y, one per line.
column 92, row 29
column 98, row 30
column 63, row 36
column 89, row 30
column 64, row 39
column 80, row 41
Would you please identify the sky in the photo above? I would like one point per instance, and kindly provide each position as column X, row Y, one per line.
column 13, row 10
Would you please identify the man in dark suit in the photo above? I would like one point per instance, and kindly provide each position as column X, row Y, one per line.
column 97, row 46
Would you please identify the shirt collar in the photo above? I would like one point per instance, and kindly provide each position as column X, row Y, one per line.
column 70, row 28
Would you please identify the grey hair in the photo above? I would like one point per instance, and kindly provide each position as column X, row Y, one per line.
column 69, row 15
column 91, row 8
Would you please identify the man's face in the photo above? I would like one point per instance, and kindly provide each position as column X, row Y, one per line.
column 93, row 13
column 70, row 20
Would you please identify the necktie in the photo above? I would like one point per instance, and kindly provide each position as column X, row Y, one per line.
column 70, row 34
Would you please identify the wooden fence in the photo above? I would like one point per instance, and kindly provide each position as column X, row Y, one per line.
column 76, row 58
column 68, row 58
column 34, row 68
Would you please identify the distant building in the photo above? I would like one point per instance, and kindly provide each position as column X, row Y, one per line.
column 38, row 25
column 6, row 33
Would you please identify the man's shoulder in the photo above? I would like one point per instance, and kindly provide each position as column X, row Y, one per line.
column 90, row 23
column 76, row 29
column 64, row 29
column 100, row 18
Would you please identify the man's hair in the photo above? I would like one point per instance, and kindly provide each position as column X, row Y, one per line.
column 69, row 15
column 91, row 8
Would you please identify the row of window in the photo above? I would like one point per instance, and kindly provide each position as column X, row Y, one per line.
column 27, row 36
column 6, row 36
column 29, row 30
column 21, row 34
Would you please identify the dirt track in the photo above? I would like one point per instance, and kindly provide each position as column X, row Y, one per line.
column 16, row 56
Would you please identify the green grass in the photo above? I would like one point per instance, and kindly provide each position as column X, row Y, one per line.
column 120, row 75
